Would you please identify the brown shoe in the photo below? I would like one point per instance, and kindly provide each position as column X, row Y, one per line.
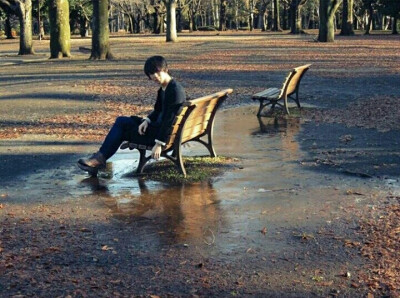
column 93, row 163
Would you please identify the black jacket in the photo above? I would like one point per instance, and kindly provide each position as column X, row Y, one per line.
column 166, row 107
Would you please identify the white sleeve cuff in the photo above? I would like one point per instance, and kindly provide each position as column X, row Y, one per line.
column 160, row 143
column 148, row 120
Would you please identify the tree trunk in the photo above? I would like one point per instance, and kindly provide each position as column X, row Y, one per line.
column 236, row 16
column 40, row 23
column 131, row 22
column 136, row 23
column 8, row 29
column 251, row 16
column 284, row 16
column 277, row 23
column 298, row 24
column 179, row 26
column 60, row 35
column 222, row 15
column 263, row 16
column 171, row 35
column 251, row 21
column 24, row 11
column 347, row 18
column 83, row 27
column 394, row 26
column 215, row 13
column 101, row 33
column 327, row 9
column 156, row 21
column 190, row 21
column 370, row 17
column 295, row 16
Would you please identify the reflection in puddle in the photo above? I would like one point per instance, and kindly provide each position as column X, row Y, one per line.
column 274, row 125
column 181, row 212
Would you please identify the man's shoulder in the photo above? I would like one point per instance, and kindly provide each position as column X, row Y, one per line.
column 175, row 85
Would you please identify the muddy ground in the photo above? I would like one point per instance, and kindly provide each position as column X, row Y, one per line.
column 301, row 214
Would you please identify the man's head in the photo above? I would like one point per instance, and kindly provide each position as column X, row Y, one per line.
column 155, row 64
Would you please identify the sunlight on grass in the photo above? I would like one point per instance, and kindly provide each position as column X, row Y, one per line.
column 198, row 169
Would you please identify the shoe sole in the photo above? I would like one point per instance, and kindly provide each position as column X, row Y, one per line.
column 92, row 171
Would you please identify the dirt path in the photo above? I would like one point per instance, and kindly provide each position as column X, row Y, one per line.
column 286, row 222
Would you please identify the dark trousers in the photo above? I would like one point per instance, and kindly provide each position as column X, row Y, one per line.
column 126, row 129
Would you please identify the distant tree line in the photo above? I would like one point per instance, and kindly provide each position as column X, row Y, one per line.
column 61, row 17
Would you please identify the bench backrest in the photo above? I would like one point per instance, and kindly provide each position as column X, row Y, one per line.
column 292, row 81
column 196, row 117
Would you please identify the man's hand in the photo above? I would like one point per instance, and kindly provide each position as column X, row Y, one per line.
column 143, row 127
column 156, row 151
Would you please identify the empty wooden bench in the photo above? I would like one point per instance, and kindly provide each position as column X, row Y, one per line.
column 290, row 88
column 194, row 120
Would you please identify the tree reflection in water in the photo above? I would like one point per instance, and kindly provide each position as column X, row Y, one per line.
column 180, row 212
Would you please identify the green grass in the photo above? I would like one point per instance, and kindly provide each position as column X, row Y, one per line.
column 197, row 169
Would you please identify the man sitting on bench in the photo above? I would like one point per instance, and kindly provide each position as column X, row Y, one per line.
column 152, row 130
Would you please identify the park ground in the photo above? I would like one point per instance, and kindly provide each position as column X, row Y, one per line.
column 310, row 206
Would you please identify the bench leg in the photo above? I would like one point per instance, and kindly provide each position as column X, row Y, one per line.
column 260, row 108
column 176, row 158
column 208, row 145
column 179, row 161
column 142, row 161
column 285, row 105
column 297, row 99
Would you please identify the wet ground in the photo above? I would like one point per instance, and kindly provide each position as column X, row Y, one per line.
column 273, row 225
column 281, row 223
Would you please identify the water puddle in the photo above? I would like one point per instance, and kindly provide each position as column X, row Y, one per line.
column 270, row 190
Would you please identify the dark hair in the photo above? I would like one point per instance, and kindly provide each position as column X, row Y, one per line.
column 155, row 64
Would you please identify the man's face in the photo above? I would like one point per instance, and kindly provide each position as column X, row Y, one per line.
column 158, row 77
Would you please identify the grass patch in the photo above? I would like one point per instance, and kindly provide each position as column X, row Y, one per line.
column 198, row 168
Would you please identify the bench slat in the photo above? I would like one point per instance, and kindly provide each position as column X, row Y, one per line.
column 192, row 122
column 270, row 93
column 208, row 97
column 193, row 132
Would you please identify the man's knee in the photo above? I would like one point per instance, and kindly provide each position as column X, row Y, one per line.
column 121, row 121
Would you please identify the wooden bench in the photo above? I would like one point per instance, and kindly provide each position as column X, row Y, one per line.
column 290, row 87
column 195, row 120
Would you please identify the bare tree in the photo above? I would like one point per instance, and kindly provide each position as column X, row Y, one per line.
column 7, row 26
column 347, row 18
column 171, row 35
column 263, row 13
column 222, row 15
column 327, row 9
column 60, row 35
column 23, row 9
column 101, row 34
column 194, row 7
column 277, row 25
column 134, row 10
column 295, row 16
column 84, row 11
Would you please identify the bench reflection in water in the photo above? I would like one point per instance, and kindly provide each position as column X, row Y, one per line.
column 179, row 212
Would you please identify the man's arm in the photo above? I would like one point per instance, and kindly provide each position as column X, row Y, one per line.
column 157, row 108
